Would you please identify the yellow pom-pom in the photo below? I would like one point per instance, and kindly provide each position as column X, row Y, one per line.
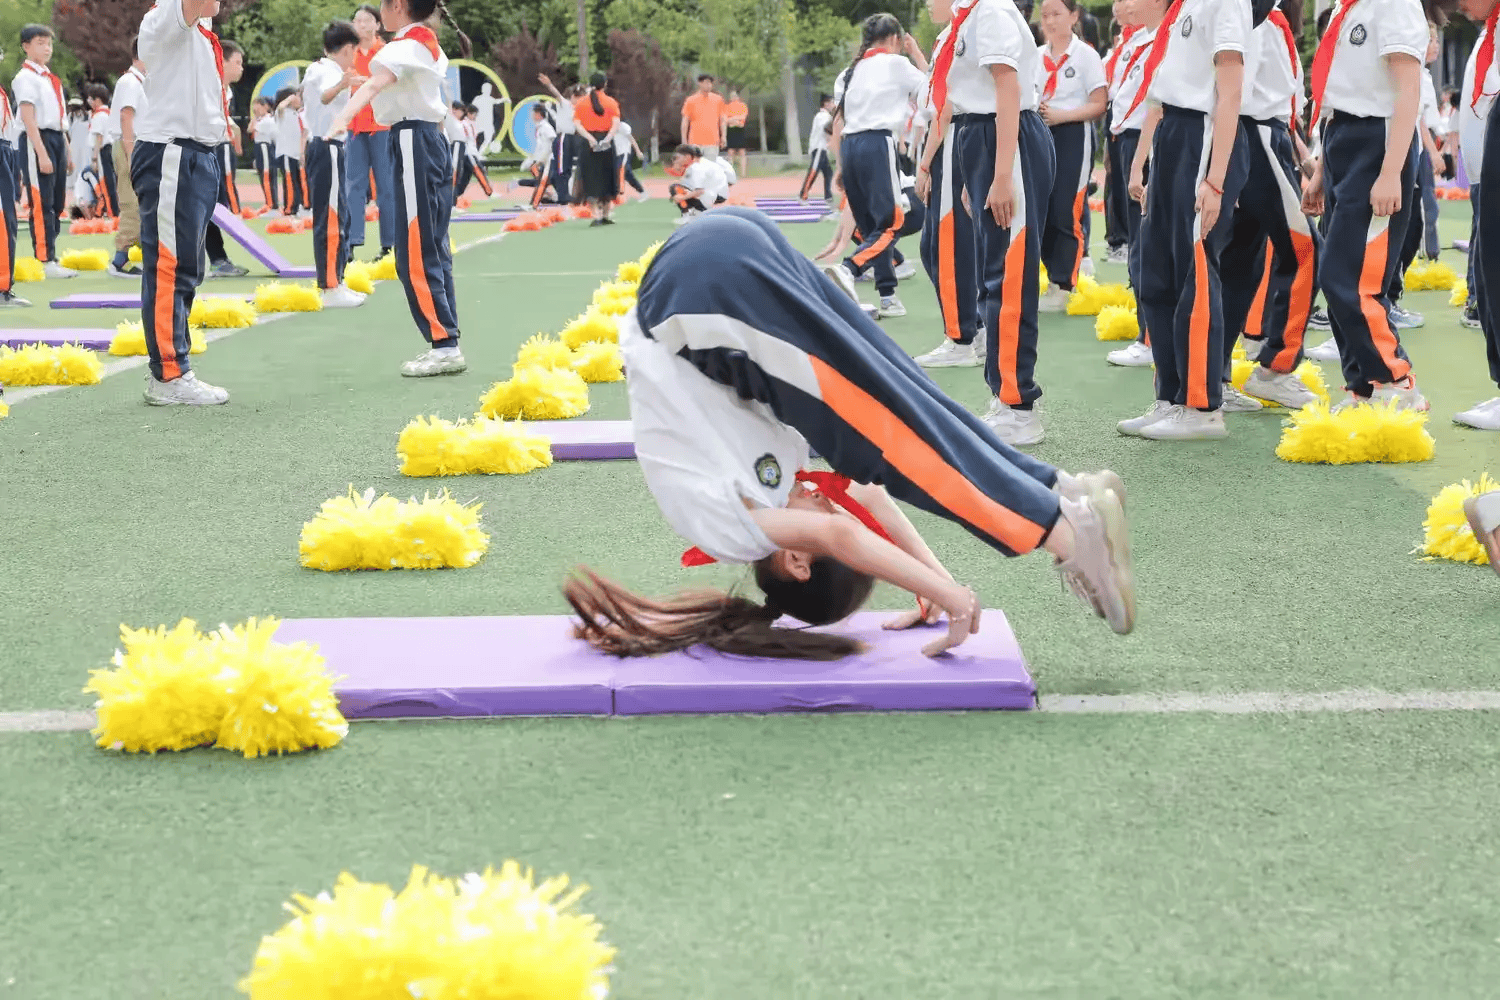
column 1365, row 433
column 431, row 446
column 30, row 269
column 537, row 394
column 85, row 260
column 4, row 410
column 276, row 297
column 650, row 254
column 542, row 351
column 496, row 935
column 1424, row 275
column 1116, row 323
column 591, row 326
column 1046, row 279
column 360, row 532
column 357, row 277
column 43, row 364
column 130, row 340
column 383, row 269
column 630, row 272
column 1308, row 372
column 1460, row 296
column 134, row 254
column 1446, row 533
column 599, row 362
column 172, row 689
column 1089, row 297
column 221, row 313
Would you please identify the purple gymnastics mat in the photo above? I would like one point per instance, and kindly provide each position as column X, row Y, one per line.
column 89, row 340
column 500, row 216
column 258, row 247
column 118, row 300
column 532, row 665
column 587, row 440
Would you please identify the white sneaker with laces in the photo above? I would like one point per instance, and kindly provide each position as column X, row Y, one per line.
column 1100, row 571
column 53, row 269
column 185, row 390
column 1404, row 393
column 906, row 270
column 891, row 307
column 1017, row 428
column 1053, row 300
column 1288, row 390
column 438, row 361
column 1187, row 424
column 1137, row 355
column 1076, row 486
column 10, row 300
column 1328, row 350
column 1237, row 402
column 1160, row 410
column 1349, row 400
column 949, row 354
column 342, row 297
column 1482, row 417
column 1118, row 255
column 1405, row 319
column 839, row 275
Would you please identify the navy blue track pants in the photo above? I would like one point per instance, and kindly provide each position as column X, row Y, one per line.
column 423, row 179
column 948, row 246
column 328, row 190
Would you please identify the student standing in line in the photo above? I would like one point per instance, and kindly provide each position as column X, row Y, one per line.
column 405, row 89
column 736, row 114
column 46, row 161
column 544, row 139
column 177, row 176
column 1481, row 153
column 369, row 147
column 228, row 151
column 625, row 147
column 126, row 106
column 1365, row 92
column 289, row 142
column 1117, row 174
column 1194, row 77
column 703, row 118
column 263, row 131
column 1127, row 116
column 1468, row 131
column 1073, row 92
column 8, row 197
column 817, row 150
column 325, row 92
column 566, row 146
column 100, row 154
column 471, row 151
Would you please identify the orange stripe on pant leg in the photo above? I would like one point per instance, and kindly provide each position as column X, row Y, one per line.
column 915, row 459
column 302, row 176
column 417, row 275
column 39, row 225
column 1304, row 287
column 331, row 249
column 163, row 312
column 947, row 268
column 885, row 240
column 1079, row 207
column 484, row 181
column 1198, row 328
column 1011, row 291
column 286, row 201
column 807, row 182
column 1255, row 319
column 7, row 263
column 1371, row 284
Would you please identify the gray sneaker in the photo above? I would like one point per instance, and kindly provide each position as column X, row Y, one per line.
column 442, row 361
column 1405, row 319
column 227, row 269
column 10, row 300
column 185, row 390
column 1100, row 571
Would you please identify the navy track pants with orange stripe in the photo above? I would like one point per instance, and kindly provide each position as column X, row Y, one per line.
column 732, row 297
column 948, row 247
column 111, row 204
column 1068, row 220
column 1269, row 215
column 1486, row 267
column 8, row 211
column 873, row 184
column 1179, row 296
column 422, row 175
column 1008, row 260
column 330, row 210
column 177, row 184
column 293, row 185
column 1361, row 252
column 1126, row 143
column 265, row 171
column 45, row 193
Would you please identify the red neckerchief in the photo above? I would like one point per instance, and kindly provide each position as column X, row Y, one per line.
column 1114, row 57
column 833, row 486
column 1277, row 18
column 1053, row 68
column 1158, row 52
column 944, row 61
column 424, row 36
column 47, row 74
column 213, row 40
column 1484, row 57
column 1323, row 60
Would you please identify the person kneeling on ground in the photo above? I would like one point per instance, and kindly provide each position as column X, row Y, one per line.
column 703, row 183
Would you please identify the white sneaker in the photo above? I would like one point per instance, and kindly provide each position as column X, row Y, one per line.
column 906, row 270
column 342, row 297
column 1483, row 417
column 1237, row 402
column 1288, row 390
column 949, row 354
column 1328, row 350
column 1053, row 300
column 1187, row 424
column 891, row 307
column 643, row 196
column 1319, row 320
column 53, row 269
column 1470, row 319
column 438, row 361
column 1404, row 393
column 1137, row 355
column 1160, row 410
column 1076, row 486
column 839, row 275
column 10, row 300
column 1100, row 571
column 1118, row 255
column 687, row 217
column 1017, row 428
column 1349, row 400
column 185, row 390
column 1086, row 267
column 1251, row 346
column 1405, row 319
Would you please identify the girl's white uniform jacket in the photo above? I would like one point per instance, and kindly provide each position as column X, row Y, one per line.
column 881, row 92
column 1358, row 81
column 1204, row 28
column 995, row 33
column 1081, row 73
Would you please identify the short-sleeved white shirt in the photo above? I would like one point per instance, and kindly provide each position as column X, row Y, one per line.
column 33, row 85
column 184, row 84
column 995, row 33
column 264, row 129
column 417, row 94
column 1472, row 118
column 541, row 143
column 1359, row 81
column 704, row 451
column 129, row 93
column 880, row 93
column 289, row 133
column 1081, row 73
column 1203, row 29
column 1277, row 81
column 1132, row 72
column 1427, row 108
column 708, row 176
column 319, row 116
column 99, row 125
column 622, row 138
column 817, row 137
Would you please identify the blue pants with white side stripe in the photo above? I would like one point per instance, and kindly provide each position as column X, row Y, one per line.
column 873, row 183
column 328, row 193
column 423, row 179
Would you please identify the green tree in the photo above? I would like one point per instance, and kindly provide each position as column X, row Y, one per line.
column 274, row 31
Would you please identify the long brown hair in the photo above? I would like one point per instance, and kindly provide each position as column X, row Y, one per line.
column 622, row 623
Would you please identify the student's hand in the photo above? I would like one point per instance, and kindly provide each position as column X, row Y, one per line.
column 1210, row 203
column 1385, row 195
column 43, row 162
column 912, row 48
column 1001, row 201
column 925, row 613
column 963, row 200
column 963, row 621
column 543, row 79
column 1137, row 187
column 336, row 132
column 1048, row 115
column 1312, row 194
column 924, row 185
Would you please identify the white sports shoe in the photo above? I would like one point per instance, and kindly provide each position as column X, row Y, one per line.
column 1118, row 255
column 1404, row 393
column 10, row 300
column 185, row 390
column 342, row 297
column 1187, row 424
column 687, row 217
column 1017, row 428
column 1251, row 346
column 949, row 354
column 1483, row 417
column 1137, row 355
column 1076, row 486
column 1328, row 350
column 1086, row 267
column 438, row 361
column 1053, row 300
column 1100, row 571
column 891, row 307
column 1237, row 402
column 53, row 269
column 1288, row 390
column 643, row 196
column 839, row 275
column 1160, row 410
column 906, row 270
column 1405, row 319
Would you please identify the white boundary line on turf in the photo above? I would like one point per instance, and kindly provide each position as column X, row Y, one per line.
column 1249, row 703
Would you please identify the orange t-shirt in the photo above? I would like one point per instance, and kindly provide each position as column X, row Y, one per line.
column 737, row 113
column 365, row 120
column 703, row 112
column 583, row 113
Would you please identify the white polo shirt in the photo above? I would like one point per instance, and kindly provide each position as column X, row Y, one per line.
column 1132, row 72
column 130, row 92
column 1277, row 80
column 1471, row 118
column 184, row 91
column 264, row 129
column 320, row 76
column 289, row 133
column 995, row 33
column 880, row 93
column 709, row 176
column 1079, row 75
column 817, row 138
column 1427, row 109
column 420, row 68
column 704, row 451
column 622, row 138
column 541, row 143
column 1358, row 81
column 33, row 85
column 99, row 125
column 1203, row 29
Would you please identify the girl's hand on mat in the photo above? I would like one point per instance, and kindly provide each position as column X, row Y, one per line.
column 963, row 621
column 1385, row 195
column 1210, row 202
column 925, row 613
column 1312, row 194
column 1001, row 201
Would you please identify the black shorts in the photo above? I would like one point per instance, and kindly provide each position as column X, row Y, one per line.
column 734, row 137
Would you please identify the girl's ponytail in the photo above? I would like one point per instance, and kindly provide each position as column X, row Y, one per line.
column 876, row 28
column 465, row 47
column 597, row 83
